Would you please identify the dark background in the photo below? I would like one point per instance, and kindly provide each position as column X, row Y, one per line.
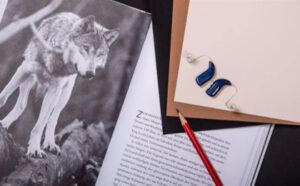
column 94, row 100
column 281, row 163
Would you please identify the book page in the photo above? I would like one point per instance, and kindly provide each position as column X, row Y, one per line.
column 66, row 67
column 140, row 155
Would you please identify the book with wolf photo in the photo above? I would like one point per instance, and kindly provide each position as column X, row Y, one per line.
column 65, row 70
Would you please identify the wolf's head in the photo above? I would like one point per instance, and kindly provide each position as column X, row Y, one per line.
column 89, row 46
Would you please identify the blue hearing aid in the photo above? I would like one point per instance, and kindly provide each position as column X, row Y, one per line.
column 217, row 86
column 206, row 75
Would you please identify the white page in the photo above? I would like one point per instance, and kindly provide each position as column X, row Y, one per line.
column 140, row 155
column 255, row 45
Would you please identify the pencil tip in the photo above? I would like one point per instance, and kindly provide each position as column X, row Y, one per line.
column 177, row 110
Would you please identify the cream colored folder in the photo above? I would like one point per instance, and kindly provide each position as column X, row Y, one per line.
column 180, row 8
column 255, row 45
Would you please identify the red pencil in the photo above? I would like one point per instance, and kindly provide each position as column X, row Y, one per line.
column 199, row 150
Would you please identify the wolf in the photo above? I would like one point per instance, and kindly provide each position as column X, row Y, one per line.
column 79, row 45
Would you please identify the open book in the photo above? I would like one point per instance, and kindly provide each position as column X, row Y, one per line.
column 139, row 154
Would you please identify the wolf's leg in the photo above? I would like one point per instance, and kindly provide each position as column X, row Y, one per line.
column 50, row 100
column 49, row 142
column 20, row 76
column 21, row 103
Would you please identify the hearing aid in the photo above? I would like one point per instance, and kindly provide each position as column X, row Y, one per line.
column 217, row 85
column 206, row 75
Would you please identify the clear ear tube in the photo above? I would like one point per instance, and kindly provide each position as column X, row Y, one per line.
column 229, row 103
column 191, row 59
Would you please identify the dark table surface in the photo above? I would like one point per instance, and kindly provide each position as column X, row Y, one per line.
column 282, row 159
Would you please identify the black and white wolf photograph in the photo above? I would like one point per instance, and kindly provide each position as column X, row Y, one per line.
column 65, row 69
